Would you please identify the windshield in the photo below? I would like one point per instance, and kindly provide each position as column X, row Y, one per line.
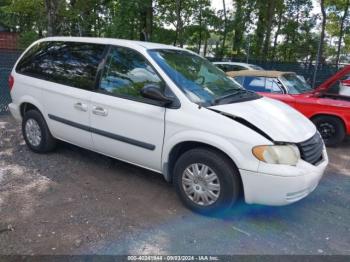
column 202, row 82
column 295, row 85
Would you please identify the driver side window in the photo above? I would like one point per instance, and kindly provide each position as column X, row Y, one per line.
column 126, row 72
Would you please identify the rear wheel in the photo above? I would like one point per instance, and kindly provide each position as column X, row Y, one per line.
column 206, row 181
column 331, row 129
column 36, row 132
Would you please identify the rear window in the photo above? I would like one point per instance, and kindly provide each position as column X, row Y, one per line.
column 67, row 63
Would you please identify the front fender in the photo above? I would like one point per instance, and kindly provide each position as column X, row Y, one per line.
column 240, row 152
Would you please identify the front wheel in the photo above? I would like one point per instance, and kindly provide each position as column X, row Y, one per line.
column 331, row 129
column 206, row 180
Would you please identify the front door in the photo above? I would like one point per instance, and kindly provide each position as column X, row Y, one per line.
column 125, row 125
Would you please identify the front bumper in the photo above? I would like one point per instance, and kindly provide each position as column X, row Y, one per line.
column 278, row 185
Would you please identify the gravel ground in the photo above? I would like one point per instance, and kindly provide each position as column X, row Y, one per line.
column 74, row 201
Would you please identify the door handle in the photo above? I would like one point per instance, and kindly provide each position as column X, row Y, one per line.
column 97, row 110
column 80, row 106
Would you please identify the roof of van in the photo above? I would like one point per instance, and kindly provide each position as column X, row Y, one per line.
column 261, row 73
column 111, row 41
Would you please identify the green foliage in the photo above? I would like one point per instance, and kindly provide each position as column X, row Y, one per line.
column 285, row 30
column 26, row 38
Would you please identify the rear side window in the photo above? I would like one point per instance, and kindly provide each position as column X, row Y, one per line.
column 67, row 63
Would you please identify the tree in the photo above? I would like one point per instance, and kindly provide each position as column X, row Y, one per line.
column 225, row 29
column 280, row 7
column 52, row 7
column 275, row 29
column 323, row 28
column 261, row 27
column 177, row 13
column 242, row 18
column 146, row 18
column 270, row 18
column 337, row 21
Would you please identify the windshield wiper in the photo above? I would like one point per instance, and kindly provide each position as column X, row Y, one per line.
column 235, row 94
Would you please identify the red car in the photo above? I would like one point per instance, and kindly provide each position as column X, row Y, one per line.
column 325, row 105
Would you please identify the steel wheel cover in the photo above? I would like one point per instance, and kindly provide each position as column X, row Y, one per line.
column 201, row 184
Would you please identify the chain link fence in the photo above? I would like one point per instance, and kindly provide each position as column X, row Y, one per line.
column 5, row 97
column 305, row 69
column 7, row 60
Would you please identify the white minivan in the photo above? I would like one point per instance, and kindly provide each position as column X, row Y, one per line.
column 168, row 110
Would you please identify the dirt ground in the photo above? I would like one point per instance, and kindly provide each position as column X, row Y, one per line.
column 74, row 201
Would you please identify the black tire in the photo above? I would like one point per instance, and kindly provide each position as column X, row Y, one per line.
column 47, row 142
column 331, row 129
column 227, row 173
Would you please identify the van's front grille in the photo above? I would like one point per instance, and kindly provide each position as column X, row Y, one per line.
column 311, row 150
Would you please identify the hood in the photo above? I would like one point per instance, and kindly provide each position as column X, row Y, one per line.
column 330, row 81
column 276, row 119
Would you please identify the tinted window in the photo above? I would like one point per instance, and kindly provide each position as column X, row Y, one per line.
column 68, row 63
column 294, row 84
column 126, row 72
column 254, row 83
column 239, row 79
column 223, row 67
column 260, row 84
column 228, row 67
column 236, row 68
column 273, row 86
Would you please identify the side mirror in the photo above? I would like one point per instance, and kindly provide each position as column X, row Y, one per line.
column 153, row 92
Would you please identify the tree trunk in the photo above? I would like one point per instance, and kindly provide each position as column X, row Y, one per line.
column 341, row 33
column 205, row 44
column 200, row 29
column 270, row 15
column 286, row 48
column 280, row 15
column 225, row 30
column 146, row 20
column 149, row 24
column 239, row 24
column 261, row 28
column 323, row 27
column 51, row 7
column 178, row 22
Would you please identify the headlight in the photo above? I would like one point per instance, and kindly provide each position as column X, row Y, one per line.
column 277, row 154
